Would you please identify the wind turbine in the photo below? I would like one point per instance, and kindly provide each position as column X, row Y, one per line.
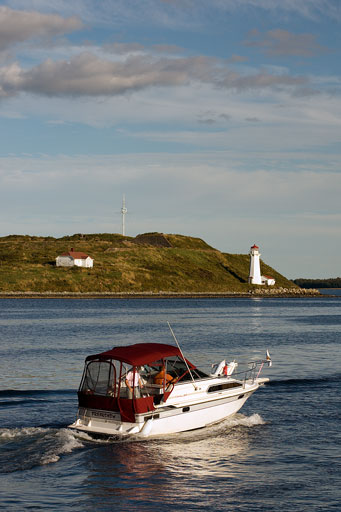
column 123, row 211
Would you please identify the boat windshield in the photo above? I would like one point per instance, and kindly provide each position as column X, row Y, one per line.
column 178, row 369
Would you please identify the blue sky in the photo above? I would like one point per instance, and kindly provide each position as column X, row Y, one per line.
column 217, row 119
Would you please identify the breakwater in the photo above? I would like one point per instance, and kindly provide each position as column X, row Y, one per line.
column 254, row 292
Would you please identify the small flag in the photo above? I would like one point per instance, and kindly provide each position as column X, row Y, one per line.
column 268, row 358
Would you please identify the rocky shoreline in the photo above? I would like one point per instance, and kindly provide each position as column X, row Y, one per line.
column 257, row 292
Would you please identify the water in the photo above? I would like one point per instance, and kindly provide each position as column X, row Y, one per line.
column 331, row 291
column 280, row 453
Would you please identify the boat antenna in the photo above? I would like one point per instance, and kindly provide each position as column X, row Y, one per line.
column 183, row 357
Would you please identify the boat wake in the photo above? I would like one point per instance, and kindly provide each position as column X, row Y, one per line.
column 230, row 425
column 239, row 420
column 29, row 447
column 25, row 448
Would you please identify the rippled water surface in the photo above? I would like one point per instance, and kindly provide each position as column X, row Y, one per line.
column 280, row 453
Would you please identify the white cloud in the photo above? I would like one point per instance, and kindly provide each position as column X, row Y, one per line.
column 191, row 176
column 20, row 26
column 279, row 42
column 87, row 74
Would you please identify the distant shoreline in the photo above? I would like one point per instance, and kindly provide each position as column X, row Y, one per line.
column 265, row 293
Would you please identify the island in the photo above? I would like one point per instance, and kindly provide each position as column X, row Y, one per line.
column 150, row 264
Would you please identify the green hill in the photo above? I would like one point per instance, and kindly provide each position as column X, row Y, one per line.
column 152, row 262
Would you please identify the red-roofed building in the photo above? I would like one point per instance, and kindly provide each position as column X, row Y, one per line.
column 74, row 258
column 268, row 280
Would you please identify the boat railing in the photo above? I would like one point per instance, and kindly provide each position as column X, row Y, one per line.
column 245, row 372
column 250, row 372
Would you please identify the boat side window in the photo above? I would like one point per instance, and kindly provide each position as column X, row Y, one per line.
column 99, row 378
column 221, row 387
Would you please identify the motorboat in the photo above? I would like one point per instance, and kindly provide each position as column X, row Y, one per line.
column 149, row 389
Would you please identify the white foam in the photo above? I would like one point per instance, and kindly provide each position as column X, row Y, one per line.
column 245, row 421
column 49, row 459
column 237, row 420
column 12, row 433
column 86, row 437
column 52, row 441
column 66, row 443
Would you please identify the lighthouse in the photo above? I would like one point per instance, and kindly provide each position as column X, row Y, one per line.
column 254, row 275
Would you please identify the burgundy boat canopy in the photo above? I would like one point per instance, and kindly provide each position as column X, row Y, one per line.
column 139, row 354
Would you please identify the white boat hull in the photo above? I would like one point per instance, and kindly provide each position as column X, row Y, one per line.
column 194, row 419
column 176, row 415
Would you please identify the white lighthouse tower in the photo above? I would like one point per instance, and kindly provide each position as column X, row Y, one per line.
column 254, row 275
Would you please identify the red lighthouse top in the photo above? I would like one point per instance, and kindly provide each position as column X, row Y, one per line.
column 255, row 246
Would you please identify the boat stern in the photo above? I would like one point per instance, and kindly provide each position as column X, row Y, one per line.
column 103, row 422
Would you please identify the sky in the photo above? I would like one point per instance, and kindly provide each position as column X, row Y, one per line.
column 219, row 120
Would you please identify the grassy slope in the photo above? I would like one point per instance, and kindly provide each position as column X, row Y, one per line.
column 122, row 265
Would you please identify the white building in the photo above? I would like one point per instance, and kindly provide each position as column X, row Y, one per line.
column 255, row 276
column 74, row 258
column 268, row 280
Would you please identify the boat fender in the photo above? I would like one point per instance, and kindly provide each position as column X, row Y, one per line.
column 217, row 369
column 229, row 368
column 147, row 427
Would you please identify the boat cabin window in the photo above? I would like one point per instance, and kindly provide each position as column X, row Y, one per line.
column 221, row 387
column 101, row 378
column 115, row 379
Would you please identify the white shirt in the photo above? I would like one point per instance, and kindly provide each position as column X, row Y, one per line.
column 133, row 382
